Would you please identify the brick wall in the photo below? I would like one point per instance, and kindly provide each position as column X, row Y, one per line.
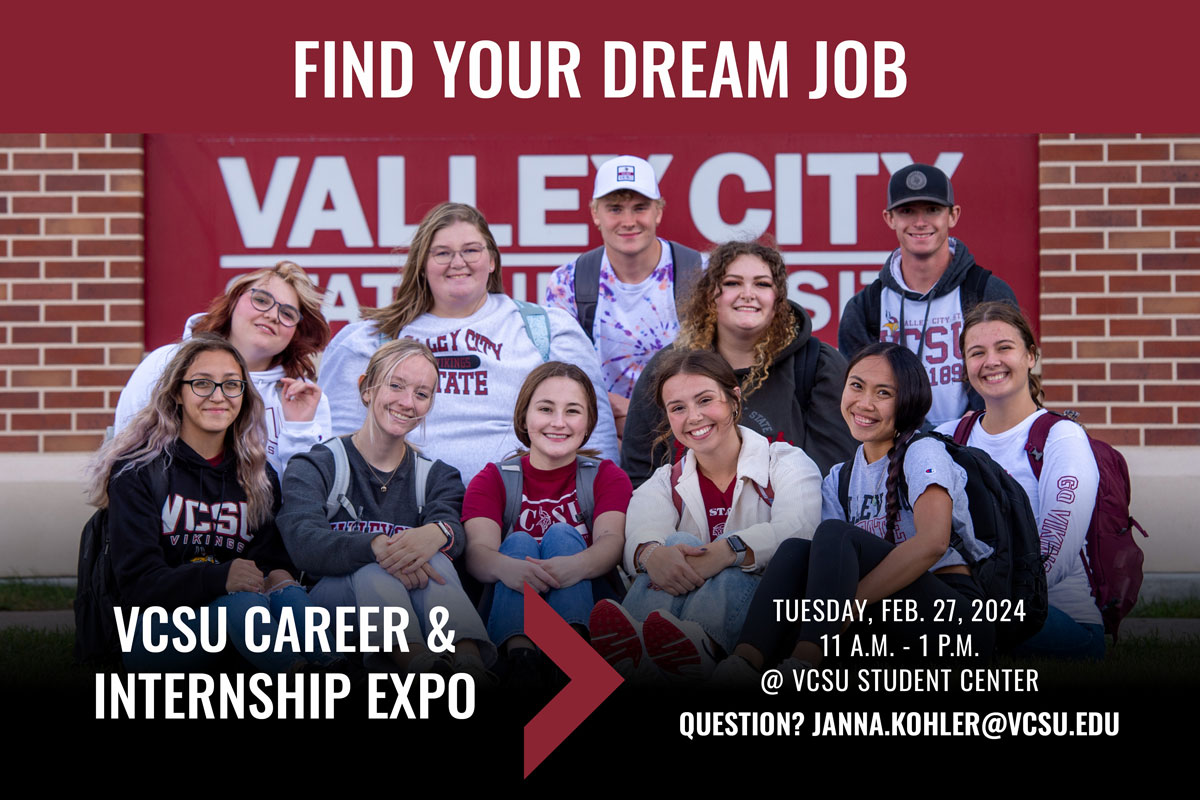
column 1120, row 275
column 70, row 285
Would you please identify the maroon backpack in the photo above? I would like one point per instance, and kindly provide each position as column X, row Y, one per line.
column 1111, row 556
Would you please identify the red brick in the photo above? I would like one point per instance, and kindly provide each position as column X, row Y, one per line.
column 1109, row 349
column 1187, row 151
column 114, row 397
column 1074, row 371
column 1107, row 393
column 1188, row 415
column 41, row 205
column 109, row 291
column 1187, row 195
column 1105, row 174
column 18, row 399
column 3, row 205
column 1082, row 136
column 1170, row 393
column 110, row 333
column 1139, row 152
column 110, row 247
column 1140, row 371
column 18, row 444
column 1134, row 240
column 125, row 312
column 1138, row 327
column 124, row 227
column 1052, row 350
column 125, row 139
column 1070, row 152
column 93, row 421
column 19, row 355
column 1056, row 305
column 1070, row 197
column 1121, row 196
column 1142, row 414
column 1054, row 175
column 74, row 313
column 1106, row 218
column 53, row 335
column 75, row 355
column 1187, row 371
column 3, row 378
column 1171, row 305
column 1072, row 327
column 1187, row 283
column 75, row 227
column 1174, row 348
column 41, row 377
column 110, row 161
column 41, row 422
column 124, row 355
column 1059, row 394
column 41, row 247
column 1118, row 437
column 43, row 161
column 20, row 140
column 1073, row 284
column 125, row 269
column 19, row 269
column 1054, row 219
column 1071, row 241
column 73, row 399
column 118, row 205
column 76, row 140
column 1051, row 262
column 10, row 313
column 1171, row 174
column 41, row 291
column 1178, row 217
column 20, row 227
column 1106, row 305
column 1106, row 261
column 74, row 183
column 74, row 269
column 1171, row 261
column 1172, row 437
column 1187, row 238
column 1139, row 283
column 1187, row 327
column 20, row 183
column 103, row 377
column 125, row 183
column 75, row 443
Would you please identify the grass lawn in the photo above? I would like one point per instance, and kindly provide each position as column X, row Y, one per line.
column 16, row 595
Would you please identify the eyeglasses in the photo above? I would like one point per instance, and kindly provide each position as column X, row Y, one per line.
column 470, row 254
column 203, row 387
column 264, row 301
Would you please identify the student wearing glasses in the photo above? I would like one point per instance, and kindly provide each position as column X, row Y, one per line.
column 273, row 318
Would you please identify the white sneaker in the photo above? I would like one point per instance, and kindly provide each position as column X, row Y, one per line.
column 736, row 671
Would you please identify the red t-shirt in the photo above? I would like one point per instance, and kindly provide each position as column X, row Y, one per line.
column 718, row 504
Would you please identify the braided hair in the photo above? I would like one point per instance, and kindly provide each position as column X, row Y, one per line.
column 913, row 400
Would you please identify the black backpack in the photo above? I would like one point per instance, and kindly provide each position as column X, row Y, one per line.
column 685, row 260
column 1003, row 519
column 96, row 592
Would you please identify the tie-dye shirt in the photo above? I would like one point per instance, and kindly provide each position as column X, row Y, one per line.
column 633, row 320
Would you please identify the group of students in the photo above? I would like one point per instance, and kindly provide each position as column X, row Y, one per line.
column 236, row 474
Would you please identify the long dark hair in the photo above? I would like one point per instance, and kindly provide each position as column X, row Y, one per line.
column 913, row 400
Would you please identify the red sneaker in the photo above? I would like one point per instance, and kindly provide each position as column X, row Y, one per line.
column 677, row 647
column 615, row 636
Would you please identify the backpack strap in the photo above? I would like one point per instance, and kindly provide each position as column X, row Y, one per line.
column 844, row 485
column 341, row 480
column 687, row 265
column 970, row 293
column 766, row 494
column 585, row 487
column 587, row 288
column 1035, row 445
column 537, row 326
column 676, row 471
column 421, row 478
column 513, row 478
column 805, row 365
column 965, row 425
column 873, row 308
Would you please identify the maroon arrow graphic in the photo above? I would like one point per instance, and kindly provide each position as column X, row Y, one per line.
column 592, row 680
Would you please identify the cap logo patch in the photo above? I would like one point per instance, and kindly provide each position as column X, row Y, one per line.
column 916, row 180
column 625, row 173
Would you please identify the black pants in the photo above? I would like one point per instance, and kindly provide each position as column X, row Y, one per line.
column 830, row 568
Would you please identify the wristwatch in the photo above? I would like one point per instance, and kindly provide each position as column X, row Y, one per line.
column 738, row 547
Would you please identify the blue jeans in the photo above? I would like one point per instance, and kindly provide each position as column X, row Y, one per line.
column 573, row 603
column 719, row 606
column 372, row 586
column 236, row 605
column 1063, row 637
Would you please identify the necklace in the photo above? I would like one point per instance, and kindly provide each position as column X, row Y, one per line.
column 382, row 483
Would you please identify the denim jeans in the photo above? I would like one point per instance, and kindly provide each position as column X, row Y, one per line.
column 719, row 606
column 573, row 604
column 236, row 605
column 1063, row 637
column 372, row 586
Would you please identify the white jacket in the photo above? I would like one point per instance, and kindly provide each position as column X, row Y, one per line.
column 796, row 510
column 284, row 438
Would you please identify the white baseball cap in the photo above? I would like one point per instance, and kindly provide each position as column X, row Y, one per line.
column 626, row 172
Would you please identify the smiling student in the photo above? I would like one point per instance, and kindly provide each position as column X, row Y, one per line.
column 925, row 287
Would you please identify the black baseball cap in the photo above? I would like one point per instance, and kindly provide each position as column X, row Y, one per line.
column 919, row 182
